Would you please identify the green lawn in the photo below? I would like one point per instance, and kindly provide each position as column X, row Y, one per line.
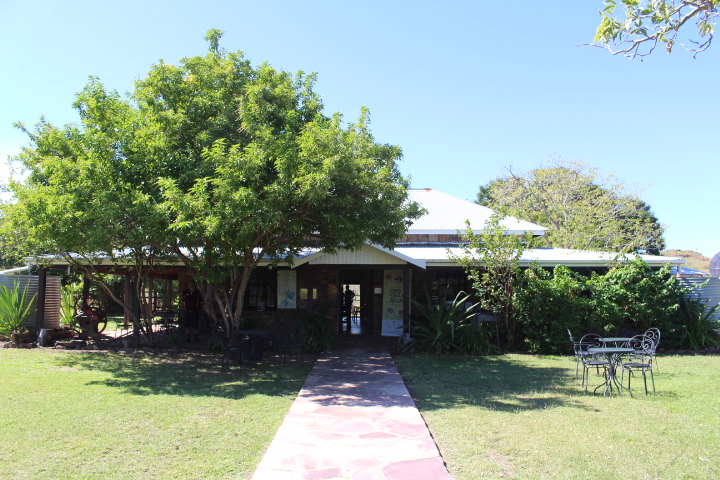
column 88, row 415
column 102, row 415
column 523, row 416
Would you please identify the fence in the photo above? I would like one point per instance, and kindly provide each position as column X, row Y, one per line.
column 709, row 293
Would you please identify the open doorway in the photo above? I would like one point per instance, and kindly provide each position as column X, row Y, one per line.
column 351, row 318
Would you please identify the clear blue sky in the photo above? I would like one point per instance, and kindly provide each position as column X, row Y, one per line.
column 467, row 89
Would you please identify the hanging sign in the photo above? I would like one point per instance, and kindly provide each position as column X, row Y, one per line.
column 392, row 309
column 287, row 289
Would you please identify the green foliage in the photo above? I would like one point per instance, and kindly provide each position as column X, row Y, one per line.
column 579, row 209
column 476, row 339
column 629, row 296
column 68, row 297
column 318, row 333
column 491, row 261
column 212, row 161
column 699, row 328
column 15, row 308
column 441, row 332
column 547, row 304
column 642, row 26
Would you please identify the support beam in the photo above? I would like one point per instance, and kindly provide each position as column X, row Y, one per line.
column 42, row 288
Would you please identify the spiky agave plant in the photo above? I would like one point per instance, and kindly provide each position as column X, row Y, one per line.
column 699, row 327
column 15, row 309
column 439, row 332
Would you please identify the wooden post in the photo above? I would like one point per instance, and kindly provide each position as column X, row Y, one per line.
column 310, row 298
column 40, row 304
column 406, row 297
column 127, row 296
column 169, row 295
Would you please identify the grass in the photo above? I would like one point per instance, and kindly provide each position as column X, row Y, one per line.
column 93, row 415
column 522, row 416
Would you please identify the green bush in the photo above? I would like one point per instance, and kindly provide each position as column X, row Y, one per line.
column 318, row 333
column 547, row 304
column 476, row 340
column 629, row 297
column 632, row 296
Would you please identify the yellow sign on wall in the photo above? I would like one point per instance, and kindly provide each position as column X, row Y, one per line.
column 392, row 310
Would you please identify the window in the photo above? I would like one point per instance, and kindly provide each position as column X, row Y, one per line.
column 261, row 293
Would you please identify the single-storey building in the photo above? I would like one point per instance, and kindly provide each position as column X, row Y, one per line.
column 383, row 280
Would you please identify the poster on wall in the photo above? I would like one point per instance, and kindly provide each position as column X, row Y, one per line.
column 287, row 289
column 392, row 306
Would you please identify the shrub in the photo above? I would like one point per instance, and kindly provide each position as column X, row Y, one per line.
column 547, row 304
column 630, row 296
column 318, row 333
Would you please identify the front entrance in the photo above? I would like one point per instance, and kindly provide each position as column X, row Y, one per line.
column 356, row 304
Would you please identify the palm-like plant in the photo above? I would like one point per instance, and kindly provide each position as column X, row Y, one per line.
column 439, row 332
column 699, row 328
column 67, row 303
column 15, row 309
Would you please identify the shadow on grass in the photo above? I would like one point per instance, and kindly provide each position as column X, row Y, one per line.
column 188, row 374
column 503, row 383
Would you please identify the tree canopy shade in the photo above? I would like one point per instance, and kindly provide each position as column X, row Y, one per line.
column 642, row 26
column 580, row 210
column 216, row 163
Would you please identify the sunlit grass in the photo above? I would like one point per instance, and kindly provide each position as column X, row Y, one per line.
column 518, row 416
column 87, row 415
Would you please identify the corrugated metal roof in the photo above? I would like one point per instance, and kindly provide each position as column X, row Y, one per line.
column 447, row 214
column 689, row 271
column 441, row 255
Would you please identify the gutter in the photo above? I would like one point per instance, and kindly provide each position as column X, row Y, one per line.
column 14, row 270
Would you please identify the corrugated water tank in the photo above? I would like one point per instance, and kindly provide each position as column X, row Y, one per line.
column 52, row 297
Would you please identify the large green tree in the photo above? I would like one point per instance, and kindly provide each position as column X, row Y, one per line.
column 215, row 163
column 639, row 27
column 580, row 210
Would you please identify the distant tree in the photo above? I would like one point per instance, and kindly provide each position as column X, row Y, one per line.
column 579, row 210
column 642, row 26
column 213, row 162
column 483, row 195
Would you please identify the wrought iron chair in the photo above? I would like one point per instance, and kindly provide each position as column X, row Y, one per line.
column 589, row 360
column 578, row 351
column 233, row 351
column 290, row 345
column 654, row 335
column 640, row 360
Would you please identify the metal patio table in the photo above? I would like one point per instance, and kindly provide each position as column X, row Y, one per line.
column 615, row 340
column 613, row 356
column 255, row 344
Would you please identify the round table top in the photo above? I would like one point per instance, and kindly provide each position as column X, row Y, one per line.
column 610, row 350
column 616, row 339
